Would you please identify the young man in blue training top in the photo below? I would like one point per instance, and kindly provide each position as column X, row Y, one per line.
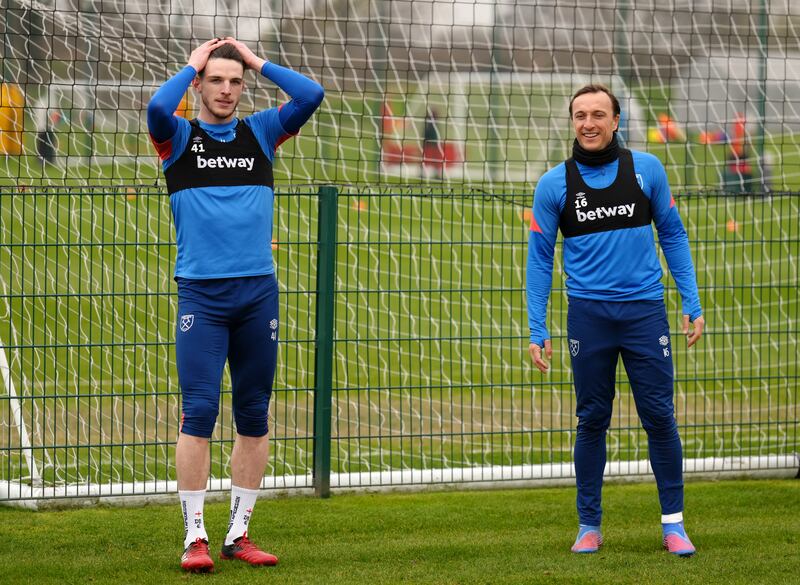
column 603, row 199
column 219, row 176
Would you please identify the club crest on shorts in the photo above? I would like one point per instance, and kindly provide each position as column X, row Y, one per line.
column 664, row 341
column 273, row 324
column 574, row 347
column 186, row 322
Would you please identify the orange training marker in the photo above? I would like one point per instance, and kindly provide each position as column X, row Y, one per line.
column 526, row 216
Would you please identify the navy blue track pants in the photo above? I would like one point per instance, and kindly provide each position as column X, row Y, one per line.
column 599, row 332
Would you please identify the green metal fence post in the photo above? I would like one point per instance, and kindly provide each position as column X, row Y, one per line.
column 323, row 359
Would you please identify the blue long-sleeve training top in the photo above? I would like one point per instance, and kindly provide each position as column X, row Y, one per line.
column 614, row 265
column 226, row 231
column 306, row 96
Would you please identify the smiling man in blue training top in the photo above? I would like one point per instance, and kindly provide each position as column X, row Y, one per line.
column 219, row 177
column 604, row 200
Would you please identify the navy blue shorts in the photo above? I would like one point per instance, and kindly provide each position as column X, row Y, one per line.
column 233, row 319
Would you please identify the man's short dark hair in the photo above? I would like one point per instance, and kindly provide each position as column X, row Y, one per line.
column 226, row 51
column 596, row 88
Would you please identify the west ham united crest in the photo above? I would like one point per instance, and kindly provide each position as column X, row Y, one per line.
column 186, row 322
column 574, row 347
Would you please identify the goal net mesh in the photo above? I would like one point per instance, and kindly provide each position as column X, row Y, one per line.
column 439, row 118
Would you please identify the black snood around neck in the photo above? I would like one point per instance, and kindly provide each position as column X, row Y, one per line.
column 595, row 158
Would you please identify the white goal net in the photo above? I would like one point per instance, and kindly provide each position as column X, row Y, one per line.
column 438, row 120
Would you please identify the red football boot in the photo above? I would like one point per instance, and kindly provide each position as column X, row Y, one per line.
column 196, row 559
column 246, row 551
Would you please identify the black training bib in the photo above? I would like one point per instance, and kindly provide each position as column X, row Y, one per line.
column 206, row 162
column 621, row 205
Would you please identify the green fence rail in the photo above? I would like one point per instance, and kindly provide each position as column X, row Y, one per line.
column 403, row 357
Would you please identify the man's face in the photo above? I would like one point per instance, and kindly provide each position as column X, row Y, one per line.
column 593, row 120
column 220, row 89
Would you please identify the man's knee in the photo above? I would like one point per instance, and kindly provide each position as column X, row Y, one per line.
column 199, row 417
column 659, row 424
column 251, row 418
column 596, row 423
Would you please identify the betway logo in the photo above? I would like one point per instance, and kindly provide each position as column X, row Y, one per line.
column 223, row 162
column 603, row 212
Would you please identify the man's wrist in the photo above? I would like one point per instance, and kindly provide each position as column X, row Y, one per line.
column 257, row 64
column 693, row 314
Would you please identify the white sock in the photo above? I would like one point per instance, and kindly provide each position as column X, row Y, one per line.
column 242, row 503
column 192, row 508
column 672, row 518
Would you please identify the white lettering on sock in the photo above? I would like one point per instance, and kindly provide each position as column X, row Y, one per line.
column 192, row 508
column 242, row 503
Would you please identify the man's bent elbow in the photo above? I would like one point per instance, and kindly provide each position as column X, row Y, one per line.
column 155, row 106
column 317, row 95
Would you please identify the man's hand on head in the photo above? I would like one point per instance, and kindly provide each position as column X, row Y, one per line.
column 199, row 56
column 251, row 60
